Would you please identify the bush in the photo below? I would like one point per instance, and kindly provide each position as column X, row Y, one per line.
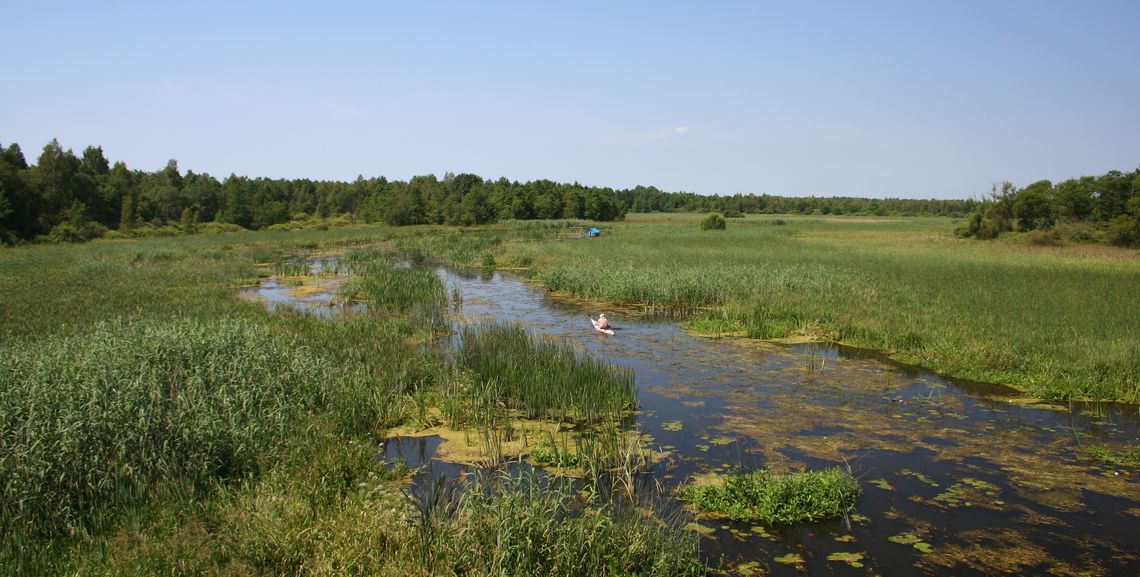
column 713, row 221
column 68, row 232
column 216, row 227
column 1125, row 231
column 733, row 213
column 1082, row 232
column 1047, row 237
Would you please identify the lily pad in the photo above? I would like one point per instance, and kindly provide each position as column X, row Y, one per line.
column 852, row 559
column 750, row 568
column 702, row 529
column 924, row 546
column 673, row 426
column 883, row 484
column 904, row 539
column 790, row 559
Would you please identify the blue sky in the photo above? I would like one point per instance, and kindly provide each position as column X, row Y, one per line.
column 882, row 99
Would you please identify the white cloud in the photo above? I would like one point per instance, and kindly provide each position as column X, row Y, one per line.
column 681, row 129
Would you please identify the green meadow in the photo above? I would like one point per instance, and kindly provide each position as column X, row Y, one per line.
column 1054, row 322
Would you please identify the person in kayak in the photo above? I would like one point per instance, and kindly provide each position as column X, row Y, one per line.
column 602, row 322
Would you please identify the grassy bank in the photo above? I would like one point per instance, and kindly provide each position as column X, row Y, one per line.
column 1057, row 322
column 153, row 423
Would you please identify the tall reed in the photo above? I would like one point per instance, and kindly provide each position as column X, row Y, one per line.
column 543, row 377
column 89, row 423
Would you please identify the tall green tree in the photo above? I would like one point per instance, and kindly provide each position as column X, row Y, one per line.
column 1033, row 206
column 52, row 183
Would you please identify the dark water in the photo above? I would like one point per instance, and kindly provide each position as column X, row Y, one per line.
column 982, row 483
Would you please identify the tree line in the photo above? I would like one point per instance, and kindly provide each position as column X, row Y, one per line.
column 69, row 197
column 1102, row 208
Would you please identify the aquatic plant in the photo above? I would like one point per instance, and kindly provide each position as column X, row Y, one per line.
column 1128, row 457
column 521, row 527
column 763, row 496
column 543, row 377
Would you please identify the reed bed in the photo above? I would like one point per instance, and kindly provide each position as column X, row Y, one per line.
column 152, row 423
column 543, row 377
column 1058, row 323
column 521, row 527
column 391, row 286
column 93, row 422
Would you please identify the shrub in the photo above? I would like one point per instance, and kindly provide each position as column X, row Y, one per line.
column 1081, row 232
column 713, row 221
column 1047, row 237
column 1125, row 231
column 733, row 213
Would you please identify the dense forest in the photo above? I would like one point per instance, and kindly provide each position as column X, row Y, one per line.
column 69, row 197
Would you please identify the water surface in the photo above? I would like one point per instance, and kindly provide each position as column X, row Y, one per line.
column 958, row 478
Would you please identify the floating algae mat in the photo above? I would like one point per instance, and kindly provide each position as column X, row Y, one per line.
column 957, row 478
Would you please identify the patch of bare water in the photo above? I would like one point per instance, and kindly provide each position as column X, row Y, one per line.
column 307, row 284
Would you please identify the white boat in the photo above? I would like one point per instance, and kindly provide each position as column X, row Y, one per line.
column 600, row 329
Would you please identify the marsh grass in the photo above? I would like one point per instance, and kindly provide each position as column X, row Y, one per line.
column 1056, row 322
column 94, row 421
column 543, row 377
column 153, row 424
column 518, row 526
column 390, row 287
column 762, row 496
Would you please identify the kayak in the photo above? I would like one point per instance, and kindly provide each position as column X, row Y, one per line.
column 600, row 329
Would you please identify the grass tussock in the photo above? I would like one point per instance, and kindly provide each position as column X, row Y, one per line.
column 543, row 377
column 763, row 496
column 520, row 527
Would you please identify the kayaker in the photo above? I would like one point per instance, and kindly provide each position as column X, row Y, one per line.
column 602, row 322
